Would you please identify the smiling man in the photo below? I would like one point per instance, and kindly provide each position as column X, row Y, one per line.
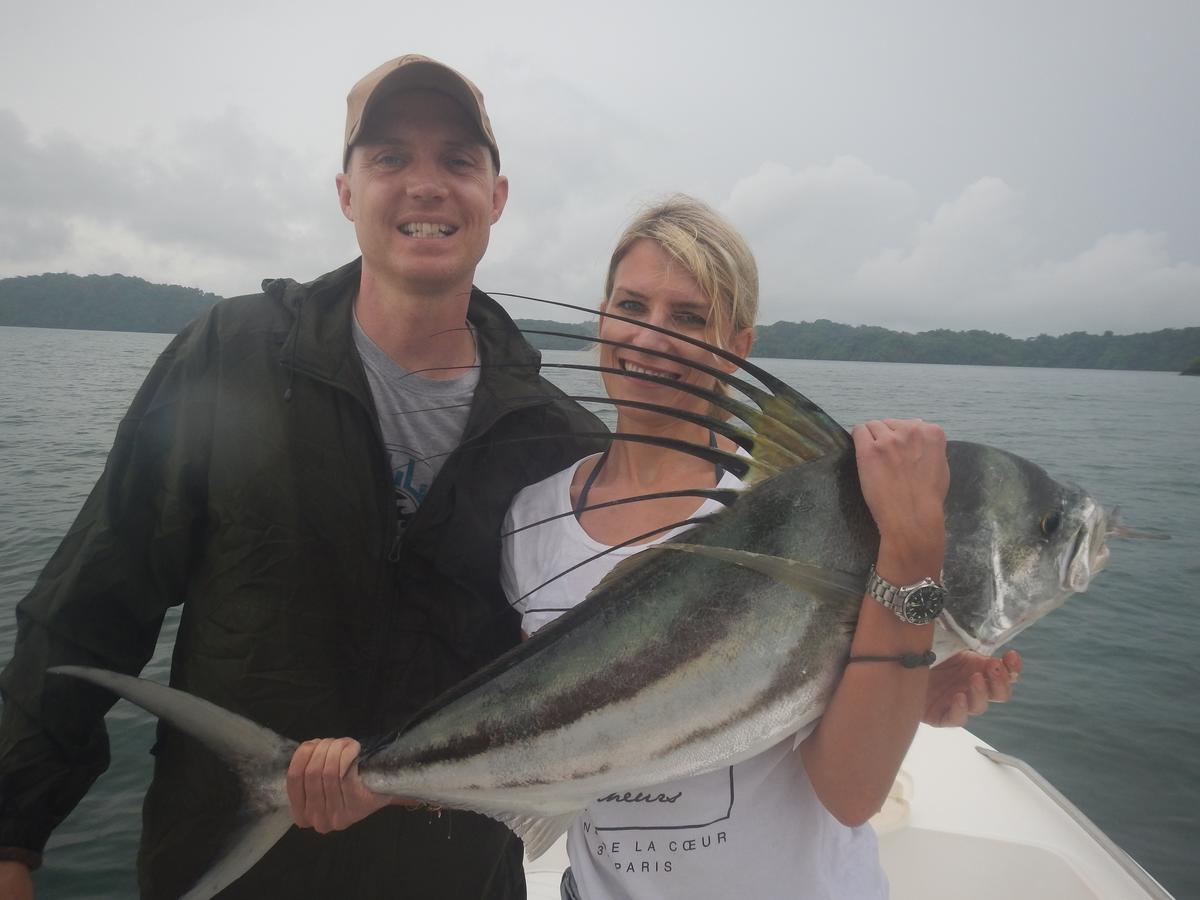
column 318, row 473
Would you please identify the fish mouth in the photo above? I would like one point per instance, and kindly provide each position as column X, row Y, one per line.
column 957, row 633
column 1089, row 551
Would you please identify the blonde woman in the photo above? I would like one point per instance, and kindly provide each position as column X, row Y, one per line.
column 789, row 822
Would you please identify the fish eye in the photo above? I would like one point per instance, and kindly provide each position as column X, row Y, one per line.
column 1050, row 522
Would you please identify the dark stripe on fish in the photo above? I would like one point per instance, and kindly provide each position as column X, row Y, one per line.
column 624, row 677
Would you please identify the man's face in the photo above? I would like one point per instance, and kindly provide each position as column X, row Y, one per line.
column 422, row 194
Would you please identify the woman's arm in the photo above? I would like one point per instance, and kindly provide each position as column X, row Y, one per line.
column 855, row 752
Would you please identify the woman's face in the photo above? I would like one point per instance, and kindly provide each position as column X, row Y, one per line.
column 649, row 286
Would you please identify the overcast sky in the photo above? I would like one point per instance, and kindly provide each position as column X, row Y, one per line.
column 1022, row 167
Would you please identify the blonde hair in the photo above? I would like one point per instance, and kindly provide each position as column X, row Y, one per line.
column 709, row 248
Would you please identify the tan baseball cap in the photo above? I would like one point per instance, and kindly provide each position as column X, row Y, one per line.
column 414, row 71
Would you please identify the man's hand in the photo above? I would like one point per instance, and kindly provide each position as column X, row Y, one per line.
column 324, row 787
column 963, row 685
column 16, row 881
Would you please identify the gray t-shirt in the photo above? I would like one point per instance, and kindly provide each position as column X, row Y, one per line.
column 421, row 418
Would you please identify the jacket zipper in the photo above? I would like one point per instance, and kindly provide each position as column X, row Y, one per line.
column 392, row 537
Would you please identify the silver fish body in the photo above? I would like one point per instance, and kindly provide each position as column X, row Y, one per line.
column 682, row 662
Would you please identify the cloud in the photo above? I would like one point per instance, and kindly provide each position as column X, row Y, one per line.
column 25, row 237
column 847, row 243
column 1122, row 282
column 572, row 189
column 969, row 243
column 219, row 203
column 212, row 203
column 976, row 264
column 810, row 227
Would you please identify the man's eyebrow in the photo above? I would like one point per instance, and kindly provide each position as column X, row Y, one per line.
column 466, row 144
column 384, row 140
column 381, row 141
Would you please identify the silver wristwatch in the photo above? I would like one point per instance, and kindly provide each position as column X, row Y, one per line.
column 917, row 604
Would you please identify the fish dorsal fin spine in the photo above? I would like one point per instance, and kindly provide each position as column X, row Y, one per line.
column 818, row 433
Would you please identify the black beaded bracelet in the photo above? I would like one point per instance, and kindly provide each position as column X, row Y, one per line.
column 908, row 660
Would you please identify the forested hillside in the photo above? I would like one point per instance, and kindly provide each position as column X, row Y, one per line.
column 124, row 303
column 99, row 303
column 1167, row 350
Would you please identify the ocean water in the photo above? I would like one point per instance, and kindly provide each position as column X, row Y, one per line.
column 1107, row 707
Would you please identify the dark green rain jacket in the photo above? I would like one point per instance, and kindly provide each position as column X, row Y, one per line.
column 249, row 482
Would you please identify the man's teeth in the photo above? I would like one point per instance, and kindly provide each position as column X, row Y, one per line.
column 427, row 229
column 642, row 370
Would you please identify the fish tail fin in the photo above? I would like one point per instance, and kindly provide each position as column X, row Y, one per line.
column 237, row 740
column 246, row 847
column 247, row 748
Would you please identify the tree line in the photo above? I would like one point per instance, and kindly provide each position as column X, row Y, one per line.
column 1170, row 349
column 125, row 303
column 99, row 303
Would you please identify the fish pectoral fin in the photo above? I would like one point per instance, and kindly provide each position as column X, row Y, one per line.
column 824, row 584
column 538, row 834
column 244, row 849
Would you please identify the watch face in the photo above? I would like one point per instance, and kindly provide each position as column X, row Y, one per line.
column 924, row 604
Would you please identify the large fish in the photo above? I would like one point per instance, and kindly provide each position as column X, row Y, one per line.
column 698, row 653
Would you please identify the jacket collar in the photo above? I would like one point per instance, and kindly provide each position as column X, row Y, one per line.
column 320, row 342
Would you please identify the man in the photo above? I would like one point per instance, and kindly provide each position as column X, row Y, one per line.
column 278, row 474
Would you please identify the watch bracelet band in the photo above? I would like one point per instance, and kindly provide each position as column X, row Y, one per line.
column 887, row 593
column 882, row 590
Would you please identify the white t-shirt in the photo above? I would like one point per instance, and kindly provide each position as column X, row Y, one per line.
column 754, row 830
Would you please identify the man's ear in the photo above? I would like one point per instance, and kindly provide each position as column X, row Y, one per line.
column 499, row 197
column 343, row 189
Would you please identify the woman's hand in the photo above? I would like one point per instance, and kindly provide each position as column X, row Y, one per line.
column 965, row 683
column 904, row 477
column 324, row 787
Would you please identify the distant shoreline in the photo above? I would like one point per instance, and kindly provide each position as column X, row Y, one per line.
column 128, row 304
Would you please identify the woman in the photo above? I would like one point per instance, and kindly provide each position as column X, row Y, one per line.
column 793, row 815
column 790, row 821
